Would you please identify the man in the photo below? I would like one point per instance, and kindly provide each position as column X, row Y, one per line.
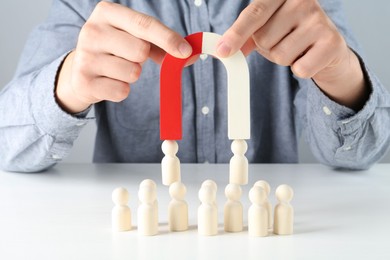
column 305, row 74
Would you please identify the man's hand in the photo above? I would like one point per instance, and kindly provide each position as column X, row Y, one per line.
column 111, row 48
column 298, row 33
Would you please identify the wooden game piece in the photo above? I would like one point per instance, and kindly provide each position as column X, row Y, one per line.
column 178, row 208
column 170, row 164
column 121, row 214
column 284, row 212
column 238, row 166
column 265, row 185
column 150, row 183
column 207, row 212
column 210, row 183
column 257, row 213
column 233, row 208
column 213, row 185
column 147, row 209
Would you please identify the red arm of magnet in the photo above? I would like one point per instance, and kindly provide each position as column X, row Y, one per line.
column 170, row 90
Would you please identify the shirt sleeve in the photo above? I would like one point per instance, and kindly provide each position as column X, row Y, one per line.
column 339, row 136
column 35, row 133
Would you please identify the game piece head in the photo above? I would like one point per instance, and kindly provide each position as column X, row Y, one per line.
column 207, row 194
column 120, row 196
column 284, row 193
column 177, row 190
column 233, row 191
column 170, row 147
column 239, row 146
column 147, row 191
column 264, row 185
column 147, row 194
column 210, row 183
column 148, row 183
column 257, row 195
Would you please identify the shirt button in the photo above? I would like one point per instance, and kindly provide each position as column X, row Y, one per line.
column 326, row 110
column 205, row 110
column 80, row 124
column 203, row 56
column 56, row 157
column 347, row 148
column 198, row 3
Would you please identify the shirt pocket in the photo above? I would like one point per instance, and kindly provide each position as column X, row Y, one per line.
column 141, row 109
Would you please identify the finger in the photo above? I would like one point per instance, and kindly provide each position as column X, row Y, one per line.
column 110, row 89
column 277, row 27
column 192, row 60
column 293, row 46
column 253, row 17
column 248, row 47
column 156, row 54
column 117, row 68
column 314, row 60
column 104, row 39
column 124, row 45
column 145, row 27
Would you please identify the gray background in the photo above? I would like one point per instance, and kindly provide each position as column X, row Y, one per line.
column 370, row 21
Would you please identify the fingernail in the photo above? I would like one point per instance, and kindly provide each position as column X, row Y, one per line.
column 223, row 49
column 185, row 49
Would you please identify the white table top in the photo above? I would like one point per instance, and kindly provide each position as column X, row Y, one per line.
column 65, row 213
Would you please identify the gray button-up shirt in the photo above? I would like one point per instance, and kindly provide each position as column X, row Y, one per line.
column 35, row 133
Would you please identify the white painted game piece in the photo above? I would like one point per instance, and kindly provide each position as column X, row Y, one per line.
column 207, row 211
column 121, row 214
column 170, row 164
column 238, row 163
column 265, row 185
column 257, row 213
column 233, row 208
column 147, row 209
column 178, row 208
column 284, row 212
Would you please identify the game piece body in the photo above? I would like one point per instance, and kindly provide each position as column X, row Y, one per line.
column 147, row 209
column 207, row 211
column 233, row 209
column 257, row 213
column 284, row 212
column 265, row 185
column 178, row 208
column 121, row 214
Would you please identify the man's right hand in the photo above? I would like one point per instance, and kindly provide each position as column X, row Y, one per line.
column 111, row 48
